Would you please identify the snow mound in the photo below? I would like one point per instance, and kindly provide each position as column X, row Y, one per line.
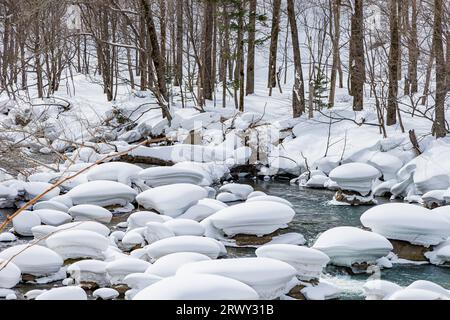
column 102, row 193
column 416, row 294
column 268, row 277
column 407, row 222
column 33, row 259
column 241, row 191
column 121, row 172
column 93, row 226
column 357, row 177
column 207, row 246
column 253, row 218
column 105, row 294
column 64, row 293
column 434, row 198
column 33, row 189
column 270, row 199
column 172, row 200
column 24, row 222
column 52, row 205
column 185, row 227
column 349, row 245
column 75, row 244
column 10, row 274
column 440, row 254
column 323, row 291
column 88, row 212
column 53, row 217
column 430, row 286
column 308, row 262
column 387, row 164
column 379, row 289
column 155, row 231
column 117, row 270
column 161, row 176
column 141, row 218
column 168, row 265
column 197, row 287
column 203, row 209
column 88, row 271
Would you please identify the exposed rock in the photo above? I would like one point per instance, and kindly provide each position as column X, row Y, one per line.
column 354, row 198
column 246, row 240
column 405, row 250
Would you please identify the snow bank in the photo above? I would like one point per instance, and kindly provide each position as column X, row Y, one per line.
column 308, row 262
column 268, row 277
column 207, row 246
column 102, row 193
column 348, row 245
column 407, row 222
column 197, row 287
column 172, row 200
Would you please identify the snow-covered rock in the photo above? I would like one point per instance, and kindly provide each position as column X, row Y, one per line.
column 53, row 217
column 207, row 246
column 252, row 218
column 88, row 212
column 323, row 291
column 270, row 199
column 168, row 265
column 10, row 274
column 203, row 209
column 268, row 277
column 52, row 205
column 434, row 198
column 347, row 246
column 139, row 281
column 33, row 259
column 185, row 227
column 24, row 222
column 440, row 254
column 386, row 163
column 416, row 294
column 357, row 177
column 117, row 270
column 241, row 191
column 74, row 244
column 430, row 286
column 227, row 197
column 308, row 262
column 93, row 226
column 105, row 294
column 172, row 200
column 407, row 222
column 88, row 271
column 197, row 287
column 379, row 289
column 155, row 231
column 122, row 172
column 141, row 218
column 33, row 189
column 133, row 239
column 102, row 193
column 161, row 176
column 7, row 237
column 64, row 293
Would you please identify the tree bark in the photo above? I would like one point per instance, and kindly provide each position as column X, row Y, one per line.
column 272, row 79
column 250, row 89
column 393, row 65
column 357, row 61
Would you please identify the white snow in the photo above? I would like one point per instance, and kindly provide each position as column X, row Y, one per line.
column 323, row 291
column 156, row 231
column 407, row 222
column 33, row 189
column 141, row 218
column 270, row 198
column 185, row 227
column 105, row 294
column 379, row 289
column 25, row 221
column 203, row 209
column 349, row 245
column 355, row 177
column 10, row 274
column 64, row 293
column 239, row 190
column 168, row 265
column 122, row 172
column 117, row 270
column 85, row 212
column 88, row 271
column 53, row 217
column 172, row 200
column 161, row 176
column 416, row 294
column 52, row 205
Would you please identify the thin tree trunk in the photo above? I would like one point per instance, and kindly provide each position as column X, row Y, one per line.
column 251, row 48
column 393, row 65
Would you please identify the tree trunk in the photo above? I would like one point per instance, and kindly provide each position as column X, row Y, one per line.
column 272, row 82
column 206, row 64
column 251, row 49
column 336, row 18
column 393, row 65
column 180, row 30
column 357, row 61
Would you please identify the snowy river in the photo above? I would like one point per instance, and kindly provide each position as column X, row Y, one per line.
column 314, row 215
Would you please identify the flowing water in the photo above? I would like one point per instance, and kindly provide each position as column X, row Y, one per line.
column 314, row 216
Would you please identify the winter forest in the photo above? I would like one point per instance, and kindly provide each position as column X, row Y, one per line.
column 265, row 149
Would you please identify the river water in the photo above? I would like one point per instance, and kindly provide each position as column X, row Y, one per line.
column 314, row 215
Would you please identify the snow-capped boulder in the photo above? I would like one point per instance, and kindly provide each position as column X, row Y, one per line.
column 117, row 270
column 121, row 172
column 102, row 193
column 105, row 294
column 384, row 188
column 270, row 199
column 88, row 271
column 357, row 177
column 172, row 200
column 252, row 218
column 93, row 226
column 442, row 212
column 430, row 286
column 185, row 227
column 203, row 209
column 308, row 262
column 168, row 265
column 88, row 212
column 24, row 222
column 161, row 176
column 434, row 198
column 440, row 255
column 268, row 277
column 33, row 189
column 53, row 217
column 347, row 246
column 379, row 289
column 207, row 246
column 141, row 218
column 33, row 259
column 323, row 291
column 64, row 293
column 156, row 231
column 406, row 222
column 197, row 287
column 7, row 237
column 241, row 191
column 227, row 197
column 75, row 244
column 52, row 205
column 256, row 194
column 416, row 294
column 10, row 274
column 387, row 164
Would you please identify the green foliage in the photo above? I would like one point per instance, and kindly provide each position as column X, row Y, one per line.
column 321, row 89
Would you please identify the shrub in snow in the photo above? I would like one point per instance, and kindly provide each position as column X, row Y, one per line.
column 203, row 209
column 252, row 218
column 268, row 277
column 185, row 227
column 308, row 262
column 168, row 265
column 207, row 246
column 102, row 193
column 64, row 293
column 407, row 222
column 33, row 259
column 172, row 200
column 379, row 289
column 117, row 270
column 358, row 177
column 349, row 246
column 24, row 222
column 161, row 176
column 88, row 271
column 10, row 274
column 85, row 212
column 241, row 191
column 75, row 244
column 197, row 287
column 53, row 217
column 121, row 172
